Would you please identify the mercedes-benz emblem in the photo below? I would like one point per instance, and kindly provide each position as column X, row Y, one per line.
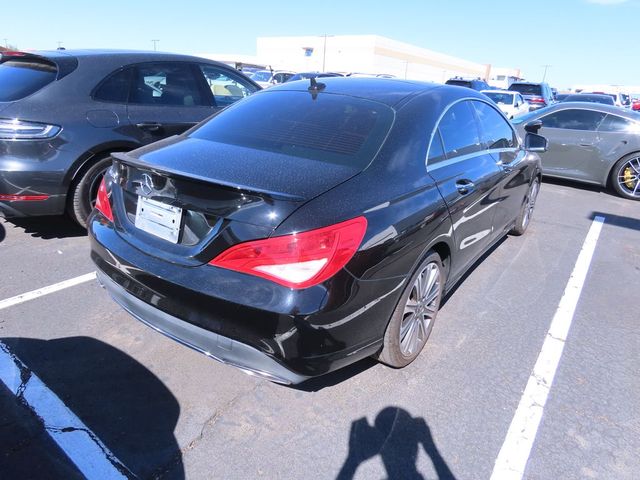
column 146, row 185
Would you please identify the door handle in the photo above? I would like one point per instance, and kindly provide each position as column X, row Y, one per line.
column 149, row 126
column 465, row 186
column 586, row 144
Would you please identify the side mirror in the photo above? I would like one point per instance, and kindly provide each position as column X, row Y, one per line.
column 533, row 127
column 535, row 143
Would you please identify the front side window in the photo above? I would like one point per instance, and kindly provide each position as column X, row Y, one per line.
column 500, row 98
column 226, row 89
column 494, row 129
column 573, row 119
column 459, row 130
column 166, row 83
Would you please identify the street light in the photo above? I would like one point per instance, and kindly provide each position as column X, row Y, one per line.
column 544, row 75
column 324, row 51
column 155, row 45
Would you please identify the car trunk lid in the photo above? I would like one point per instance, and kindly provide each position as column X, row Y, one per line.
column 215, row 195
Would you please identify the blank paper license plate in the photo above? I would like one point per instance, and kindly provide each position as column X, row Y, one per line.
column 158, row 219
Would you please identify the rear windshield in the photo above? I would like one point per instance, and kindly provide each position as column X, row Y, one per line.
column 459, row 83
column 21, row 77
column 500, row 98
column 526, row 88
column 330, row 128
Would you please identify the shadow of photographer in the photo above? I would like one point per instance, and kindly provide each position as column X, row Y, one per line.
column 125, row 405
column 396, row 436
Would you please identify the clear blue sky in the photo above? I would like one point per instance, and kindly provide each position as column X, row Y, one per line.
column 584, row 41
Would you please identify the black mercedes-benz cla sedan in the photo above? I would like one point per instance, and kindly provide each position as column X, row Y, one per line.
column 63, row 112
column 314, row 223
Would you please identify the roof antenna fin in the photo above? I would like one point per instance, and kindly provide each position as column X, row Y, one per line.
column 315, row 87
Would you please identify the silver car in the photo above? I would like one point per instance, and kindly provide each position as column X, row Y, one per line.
column 590, row 143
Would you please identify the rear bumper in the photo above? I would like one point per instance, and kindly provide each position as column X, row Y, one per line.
column 261, row 327
column 35, row 168
column 218, row 347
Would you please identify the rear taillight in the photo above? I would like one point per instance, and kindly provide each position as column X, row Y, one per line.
column 536, row 100
column 13, row 129
column 6, row 197
column 299, row 260
column 102, row 201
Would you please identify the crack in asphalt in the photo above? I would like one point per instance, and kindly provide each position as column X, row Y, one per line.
column 163, row 470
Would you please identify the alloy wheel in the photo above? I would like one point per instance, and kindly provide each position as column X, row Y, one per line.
column 420, row 309
column 531, row 202
column 629, row 177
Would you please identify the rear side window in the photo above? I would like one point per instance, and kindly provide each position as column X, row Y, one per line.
column 116, row 87
column 22, row 77
column 614, row 123
column 436, row 150
column 459, row 131
column 573, row 119
column 329, row 128
column 166, row 83
column 527, row 89
column 494, row 129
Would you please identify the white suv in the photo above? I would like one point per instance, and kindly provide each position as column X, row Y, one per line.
column 511, row 103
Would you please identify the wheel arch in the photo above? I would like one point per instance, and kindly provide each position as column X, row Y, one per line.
column 607, row 180
column 87, row 159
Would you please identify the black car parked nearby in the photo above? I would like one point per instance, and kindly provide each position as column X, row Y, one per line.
column 313, row 224
column 475, row 84
column 539, row 95
column 62, row 114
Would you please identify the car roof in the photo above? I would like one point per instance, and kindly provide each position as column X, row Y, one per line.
column 124, row 55
column 389, row 91
column 510, row 92
column 600, row 107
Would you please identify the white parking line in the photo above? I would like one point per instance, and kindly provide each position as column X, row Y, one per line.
column 514, row 454
column 9, row 302
column 79, row 443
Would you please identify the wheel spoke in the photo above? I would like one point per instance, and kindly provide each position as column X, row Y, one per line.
column 406, row 326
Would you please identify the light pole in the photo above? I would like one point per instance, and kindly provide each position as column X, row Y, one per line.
column 59, row 44
column 155, row 44
column 324, row 51
column 6, row 43
column 544, row 75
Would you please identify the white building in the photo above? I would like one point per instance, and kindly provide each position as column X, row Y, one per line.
column 364, row 54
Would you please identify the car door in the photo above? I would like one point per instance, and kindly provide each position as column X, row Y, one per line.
column 573, row 142
column 501, row 141
column 167, row 98
column 468, row 179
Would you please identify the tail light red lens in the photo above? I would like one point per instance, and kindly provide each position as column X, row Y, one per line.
column 536, row 100
column 300, row 260
column 102, row 202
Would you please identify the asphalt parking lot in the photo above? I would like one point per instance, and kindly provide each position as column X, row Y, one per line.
column 162, row 410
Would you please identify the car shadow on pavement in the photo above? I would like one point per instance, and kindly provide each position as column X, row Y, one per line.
column 396, row 437
column 48, row 227
column 3, row 232
column 580, row 186
column 316, row 384
column 618, row 220
column 125, row 405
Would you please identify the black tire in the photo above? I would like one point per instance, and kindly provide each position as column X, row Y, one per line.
column 526, row 212
column 395, row 351
column 82, row 196
column 625, row 177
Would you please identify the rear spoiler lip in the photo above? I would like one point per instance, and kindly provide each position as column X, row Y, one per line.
column 136, row 162
column 64, row 62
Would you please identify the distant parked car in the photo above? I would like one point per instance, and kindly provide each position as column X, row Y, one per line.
column 62, row 114
column 512, row 104
column 635, row 105
column 590, row 142
column 308, row 75
column 268, row 78
column 619, row 99
column 589, row 97
column 561, row 96
column 539, row 95
column 301, row 231
column 475, row 83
